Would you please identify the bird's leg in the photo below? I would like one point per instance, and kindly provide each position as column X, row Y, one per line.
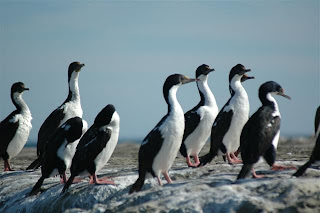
column 63, row 178
column 197, row 161
column 234, row 157
column 159, row 181
column 236, row 153
column 96, row 181
column 276, row 167
column 254, row 175
column 7, row 166
column 230, row 159
column 167, row 177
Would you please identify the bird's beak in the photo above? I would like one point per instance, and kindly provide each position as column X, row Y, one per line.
column 26, row 89
column 284, row 95
column 210, row 70
column 245, row 77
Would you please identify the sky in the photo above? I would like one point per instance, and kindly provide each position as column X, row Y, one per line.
column 131, row 47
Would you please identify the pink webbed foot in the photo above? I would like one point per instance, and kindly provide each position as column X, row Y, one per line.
column 63, row 178
column 94, row 180
column 254, row 175
column 76, row 180
column 195, row 164
column 232, row 159
column 276, row 167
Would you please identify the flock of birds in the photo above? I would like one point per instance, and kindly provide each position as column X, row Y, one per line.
column 64, row 140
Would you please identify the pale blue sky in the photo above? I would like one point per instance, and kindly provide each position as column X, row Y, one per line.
column 130, row 47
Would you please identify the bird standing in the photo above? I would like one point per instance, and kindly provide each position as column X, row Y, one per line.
column 160, row 147
column 60, row 150
column 260, row 135
column 15, row 128
column 96, row 147
column 199, row 120
column 227, row 127
column 70, row 108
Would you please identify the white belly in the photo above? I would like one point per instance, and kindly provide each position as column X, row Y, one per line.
column 102, row 159
column 66, row 153
column 197, row 139
column 21, row 136
column 240, row 107
column 172, row 131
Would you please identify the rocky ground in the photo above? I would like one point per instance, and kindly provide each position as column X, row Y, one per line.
column 211, row 188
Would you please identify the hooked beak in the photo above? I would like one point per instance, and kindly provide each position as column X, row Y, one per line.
column 26, row 89
column 245, row 77
column 284, row 95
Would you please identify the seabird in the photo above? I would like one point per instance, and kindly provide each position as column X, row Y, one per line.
column 15, row 128
column 161, row 146
column 70, row 108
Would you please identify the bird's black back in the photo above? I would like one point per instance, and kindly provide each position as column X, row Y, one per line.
column 7, row 132
column 258, row 133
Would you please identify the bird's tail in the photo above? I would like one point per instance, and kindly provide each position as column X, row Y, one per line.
column 246, row 168
column 302, row 169
column 36, row 187
column 35, row 164
column 67, row 184
column 206, row 159
column 138, row 184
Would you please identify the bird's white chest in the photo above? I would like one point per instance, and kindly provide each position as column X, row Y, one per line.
column 196, row 140
column 172, row 132
column 66, row 152
column 22, row 133
column 104, row 156
column 71, row 109
column 239, row 104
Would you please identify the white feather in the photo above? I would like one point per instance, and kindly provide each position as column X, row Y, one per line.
column 172, row 132
column 208, row 112
column 239, row 104
column 106, row 153
column 23, row 131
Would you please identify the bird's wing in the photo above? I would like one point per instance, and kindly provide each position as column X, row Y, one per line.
column 87, row 153
column 90, row 134
column 192, row 119
column 257, row 135
column 8, row 129
column 219, row 129
column 49, row 126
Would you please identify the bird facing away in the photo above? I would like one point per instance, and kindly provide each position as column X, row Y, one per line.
column 260, row 135
column 199, row 120
column 160, row 147
column 227, row 127
column 15, row 128
column 315, row 155
column 70, row 108
column 96, row 147
column 60, row 150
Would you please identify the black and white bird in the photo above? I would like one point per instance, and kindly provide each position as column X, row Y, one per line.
column 70, row 108
column 315, row 155
column 227, row 127
column 96, row 147
column 260, row 135
column 60, row 150
column 15, row 128
column 161, row 146
column 199, row 120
